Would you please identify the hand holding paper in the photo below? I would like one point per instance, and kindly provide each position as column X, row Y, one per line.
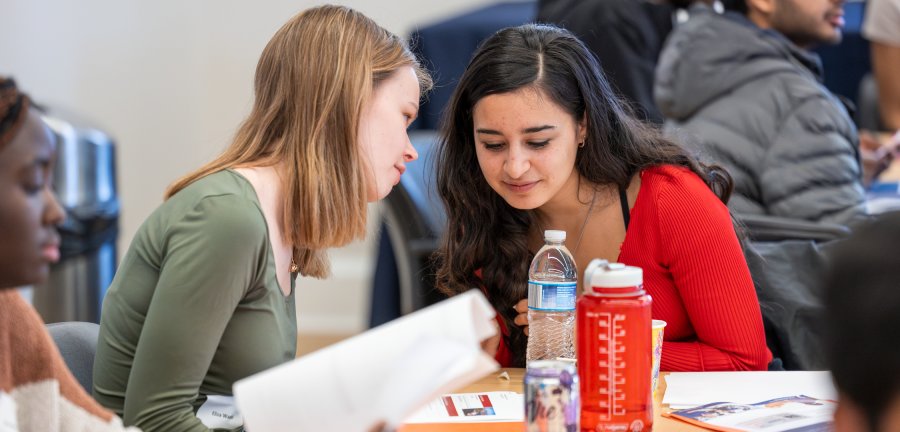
column 384, row 374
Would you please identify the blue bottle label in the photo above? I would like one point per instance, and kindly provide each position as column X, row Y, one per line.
column 551, row 296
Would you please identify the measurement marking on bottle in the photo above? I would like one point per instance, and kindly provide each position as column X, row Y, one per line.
column 612, row 330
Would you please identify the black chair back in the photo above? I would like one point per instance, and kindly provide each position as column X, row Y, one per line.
column 787, row 258
column 77, row 343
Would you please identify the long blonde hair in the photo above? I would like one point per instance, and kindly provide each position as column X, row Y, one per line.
column 312, row 81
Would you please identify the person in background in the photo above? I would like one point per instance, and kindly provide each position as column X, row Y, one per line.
column 882, row 29
column 862, row 315
column 205, row 294
column 37, row 391
column 535, row 139
column 743, row 90
column 626, row 36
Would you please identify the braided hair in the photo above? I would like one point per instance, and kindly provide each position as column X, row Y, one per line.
column 13, row 110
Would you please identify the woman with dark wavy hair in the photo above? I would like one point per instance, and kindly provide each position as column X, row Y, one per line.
column 534, row 139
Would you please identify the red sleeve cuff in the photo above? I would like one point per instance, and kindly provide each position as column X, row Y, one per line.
column 504, row 355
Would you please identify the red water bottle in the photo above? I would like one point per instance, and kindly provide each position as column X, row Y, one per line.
column 614, row 349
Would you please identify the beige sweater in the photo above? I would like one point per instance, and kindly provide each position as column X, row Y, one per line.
column 37, row 391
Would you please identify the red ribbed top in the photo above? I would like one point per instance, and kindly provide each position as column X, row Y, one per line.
column 682, row 236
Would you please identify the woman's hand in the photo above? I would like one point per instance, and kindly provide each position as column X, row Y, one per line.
column 522, row 318
column 876, row 156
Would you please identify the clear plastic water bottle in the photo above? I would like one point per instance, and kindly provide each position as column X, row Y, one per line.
column 552, row 287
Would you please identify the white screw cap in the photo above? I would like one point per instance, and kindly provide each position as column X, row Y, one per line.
column 554, row 235
column 617, row 275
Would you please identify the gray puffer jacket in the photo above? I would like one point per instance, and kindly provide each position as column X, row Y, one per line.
column 752, row 101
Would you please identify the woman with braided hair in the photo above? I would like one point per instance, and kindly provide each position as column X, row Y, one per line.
column 37, row 390
column 205, row 294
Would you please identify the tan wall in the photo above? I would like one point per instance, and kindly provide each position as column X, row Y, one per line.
column 170, row 80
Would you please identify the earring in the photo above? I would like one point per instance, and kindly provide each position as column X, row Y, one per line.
column 581, row 144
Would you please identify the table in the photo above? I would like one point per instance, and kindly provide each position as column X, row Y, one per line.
column 492, row 382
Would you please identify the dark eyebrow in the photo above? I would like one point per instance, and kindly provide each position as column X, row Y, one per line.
column 526, row 130
column 538, row 129
column 487, row 132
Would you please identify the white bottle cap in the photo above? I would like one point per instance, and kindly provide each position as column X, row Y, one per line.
column 616, row 279
column 592, row 267
column 554, row 235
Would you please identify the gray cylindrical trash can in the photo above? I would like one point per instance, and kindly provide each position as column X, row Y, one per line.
column 85, row 182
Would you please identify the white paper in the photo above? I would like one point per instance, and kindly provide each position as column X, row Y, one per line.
column 219, row 412
column 690, row 389
column 472, row 407
column 384, row 374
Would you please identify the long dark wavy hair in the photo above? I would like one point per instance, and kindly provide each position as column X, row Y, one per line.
column 484, row 232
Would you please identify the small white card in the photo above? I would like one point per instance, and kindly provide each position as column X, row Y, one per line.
column 220, row 412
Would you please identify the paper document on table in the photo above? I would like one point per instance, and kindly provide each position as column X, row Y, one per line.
column 690, row 389
column 794, row 413
column 384, row 374
column 472, row 407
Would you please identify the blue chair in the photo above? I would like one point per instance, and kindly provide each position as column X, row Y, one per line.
column 446, row 48
column 412, row 225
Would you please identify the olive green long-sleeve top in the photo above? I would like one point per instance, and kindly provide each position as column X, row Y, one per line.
column 194, row 307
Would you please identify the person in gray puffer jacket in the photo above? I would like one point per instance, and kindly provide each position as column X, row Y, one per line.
column 745, row 96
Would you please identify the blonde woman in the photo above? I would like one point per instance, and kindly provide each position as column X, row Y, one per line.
column 205, row 294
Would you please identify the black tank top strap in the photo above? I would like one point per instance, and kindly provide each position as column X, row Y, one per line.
column 626, row 213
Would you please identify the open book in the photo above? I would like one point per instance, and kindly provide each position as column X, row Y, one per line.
column 794, row 413
column 384, row 374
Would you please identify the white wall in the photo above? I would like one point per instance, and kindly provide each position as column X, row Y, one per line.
column 170, row 81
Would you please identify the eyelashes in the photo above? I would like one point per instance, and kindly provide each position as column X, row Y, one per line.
column 500, row 146
column 33, row 188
